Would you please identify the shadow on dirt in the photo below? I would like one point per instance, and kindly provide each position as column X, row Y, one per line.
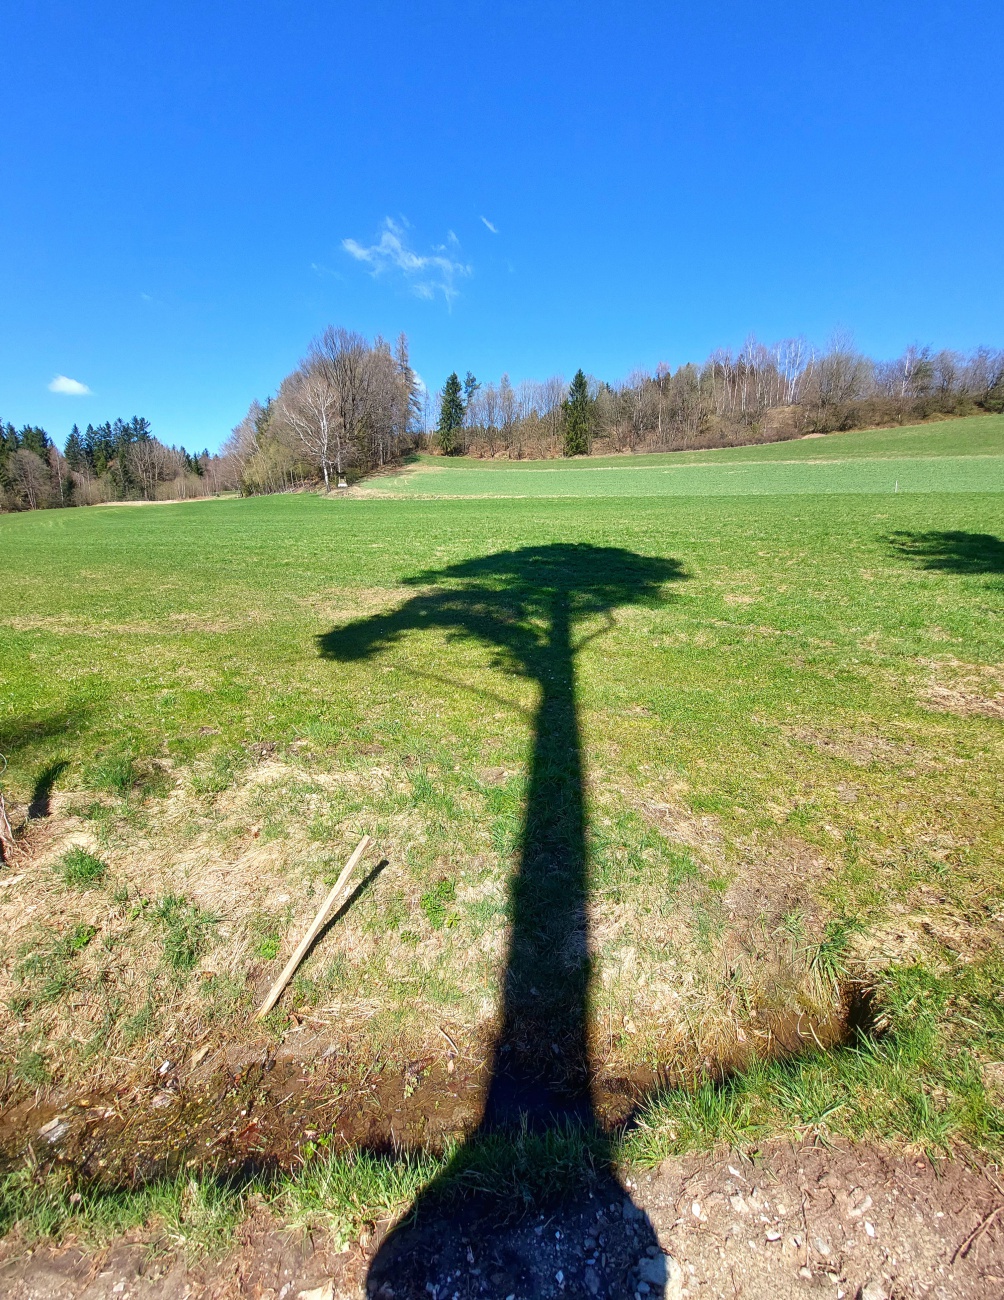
column 530, row 605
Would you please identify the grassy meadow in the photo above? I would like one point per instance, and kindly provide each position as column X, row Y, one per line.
column 954, row 456
column 792, row 758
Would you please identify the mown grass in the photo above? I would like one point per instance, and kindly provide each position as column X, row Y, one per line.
column 802, row 731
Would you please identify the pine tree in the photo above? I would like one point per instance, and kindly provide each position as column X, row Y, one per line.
column 76, row 456
column 451, row 417
column 32, row 438
column 578, row 408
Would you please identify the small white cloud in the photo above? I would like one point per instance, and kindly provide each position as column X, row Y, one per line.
column 492, row 228
column 321, row 270
column 426, row 273
column 71, row 387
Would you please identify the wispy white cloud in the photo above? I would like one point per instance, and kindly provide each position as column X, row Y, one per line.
column 321, row 270
column 493, row 228
column 71, row 387
column 427, row 274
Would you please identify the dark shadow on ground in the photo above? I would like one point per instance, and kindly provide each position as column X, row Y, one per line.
column 952, row 552
column 41, row 797
column 538, row 1135
column 19, row 733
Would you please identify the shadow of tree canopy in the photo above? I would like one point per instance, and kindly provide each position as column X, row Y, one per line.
column 952, row 552
column 529, row 605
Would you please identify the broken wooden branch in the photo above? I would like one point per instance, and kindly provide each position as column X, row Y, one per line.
column 6, row 835
column 289, row 970
column 7, row 845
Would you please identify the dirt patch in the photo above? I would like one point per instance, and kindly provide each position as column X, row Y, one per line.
column 784, row 1222
column 964, row 703
column 967, row 690
column 862, row 749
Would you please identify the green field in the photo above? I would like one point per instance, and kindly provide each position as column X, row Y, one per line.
column 787, row 687
column 958, row 456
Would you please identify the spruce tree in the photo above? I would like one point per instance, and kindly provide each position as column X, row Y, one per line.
column 451, row 417
column 578, row 416
column 76, row 456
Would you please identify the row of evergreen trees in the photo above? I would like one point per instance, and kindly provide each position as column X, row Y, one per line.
column 577, row 415
column 99, row 449
column 119, row 460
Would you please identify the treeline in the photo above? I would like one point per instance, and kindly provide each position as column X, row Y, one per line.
column 115, row 461
column 759, row 394
column 350, row 406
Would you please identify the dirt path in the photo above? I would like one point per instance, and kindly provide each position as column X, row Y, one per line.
column 842, row 1222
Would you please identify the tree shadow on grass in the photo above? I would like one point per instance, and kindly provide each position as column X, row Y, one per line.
column 952, row 552
column 41, row 797
column 538, row 1136
column 18, row 735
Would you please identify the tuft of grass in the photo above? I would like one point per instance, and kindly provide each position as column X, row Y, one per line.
column 435, row 903
column 140, row 1024
column 345, row 1192
column 32, row 1068
column 46, row 973
column 186, row 930
column 74, row 941
column 81, row 869
column 219, row 773
column 268, row 948
column 527, row 1168
column 114, row 772
column 830, row 957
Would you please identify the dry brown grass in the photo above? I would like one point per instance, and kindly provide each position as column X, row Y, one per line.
column 685, row 978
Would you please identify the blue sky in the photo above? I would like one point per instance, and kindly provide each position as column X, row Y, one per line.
column 191, row 191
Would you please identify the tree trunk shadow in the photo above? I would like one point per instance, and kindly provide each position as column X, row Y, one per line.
column 538, row 1148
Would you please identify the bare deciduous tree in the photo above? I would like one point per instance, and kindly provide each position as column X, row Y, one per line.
column 29, row 479
column 308, row 405
column 152, row 463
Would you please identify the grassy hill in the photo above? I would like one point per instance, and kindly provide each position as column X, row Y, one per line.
column 955, row 456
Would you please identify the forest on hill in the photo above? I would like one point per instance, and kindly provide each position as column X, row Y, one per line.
column 353, row 406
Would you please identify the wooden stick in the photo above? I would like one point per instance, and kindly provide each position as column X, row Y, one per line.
column 6, row 835
column 289, row 970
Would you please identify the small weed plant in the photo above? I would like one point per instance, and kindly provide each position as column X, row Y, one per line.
column 435, row 903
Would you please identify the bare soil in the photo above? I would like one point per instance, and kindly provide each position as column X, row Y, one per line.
column 845, row 1221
